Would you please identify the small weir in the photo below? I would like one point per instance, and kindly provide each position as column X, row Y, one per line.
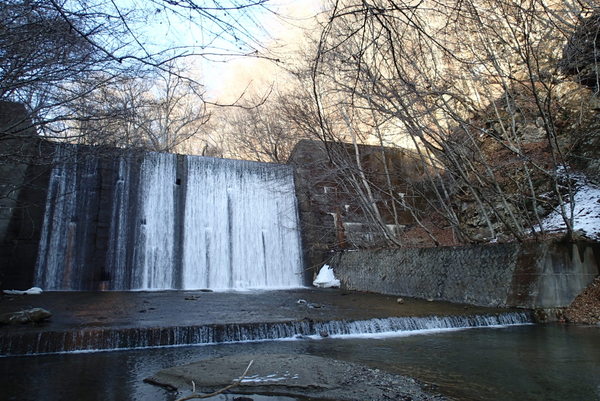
column 97, row 339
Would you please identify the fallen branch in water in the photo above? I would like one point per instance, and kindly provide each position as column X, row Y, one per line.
column 235, row 383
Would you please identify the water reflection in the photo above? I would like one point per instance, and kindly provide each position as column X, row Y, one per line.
column 515, row 363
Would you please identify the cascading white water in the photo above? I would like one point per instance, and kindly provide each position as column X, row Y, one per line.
column 117, row 246
column 149, row 222
column 58, row 227
column 242, row 233
column 154, row 262
column 71, row 203
column 130, row 338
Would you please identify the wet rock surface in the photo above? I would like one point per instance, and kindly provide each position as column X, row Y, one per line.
column 293, row 375
column 80, row 310
column 33, row 315
column 119, row 320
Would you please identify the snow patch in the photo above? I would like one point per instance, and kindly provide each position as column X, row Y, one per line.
column 269, row 378
column 31, row 291
column 586, row 213
column 326, row 278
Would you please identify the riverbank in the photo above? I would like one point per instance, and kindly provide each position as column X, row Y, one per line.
column 585, row 309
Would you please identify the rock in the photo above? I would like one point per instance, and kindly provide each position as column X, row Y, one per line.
column 34, row 315
column 580, row 56
column 400, row 300
column 293, row 376
column 324, row 334
column 309, row 304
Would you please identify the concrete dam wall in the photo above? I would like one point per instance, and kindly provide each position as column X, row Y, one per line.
column 123, row 220
column 531, row 275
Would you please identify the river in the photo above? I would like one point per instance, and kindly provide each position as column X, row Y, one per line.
column 536, row 362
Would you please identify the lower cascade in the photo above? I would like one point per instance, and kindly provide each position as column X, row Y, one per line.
column 156, row 221
column 131, row 338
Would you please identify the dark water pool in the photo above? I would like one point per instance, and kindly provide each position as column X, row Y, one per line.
column 515, row 363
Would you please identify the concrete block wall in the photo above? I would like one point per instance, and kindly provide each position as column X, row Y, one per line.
column 530, row 275
column 24, row 170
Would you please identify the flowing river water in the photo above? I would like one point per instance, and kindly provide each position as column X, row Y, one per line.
column 533, row 362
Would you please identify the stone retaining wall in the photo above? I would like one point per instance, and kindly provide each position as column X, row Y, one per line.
column 24, row 171
column 530, row 275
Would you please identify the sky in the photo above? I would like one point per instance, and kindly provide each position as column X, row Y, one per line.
column 273, row 32
column 225, row 81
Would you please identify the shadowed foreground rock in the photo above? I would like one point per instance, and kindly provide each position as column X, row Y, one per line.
column 34, row 315
column 293, row 375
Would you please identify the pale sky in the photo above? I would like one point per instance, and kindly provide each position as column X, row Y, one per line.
column 225, row 81
column 278, row 29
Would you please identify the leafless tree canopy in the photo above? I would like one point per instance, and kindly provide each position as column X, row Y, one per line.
column 73, row 64
column 474, row 86
column 493, row 96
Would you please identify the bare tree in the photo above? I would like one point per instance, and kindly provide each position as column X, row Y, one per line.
column 260, row 129
column 53, row 53
column 466, row 81
column 157, row 112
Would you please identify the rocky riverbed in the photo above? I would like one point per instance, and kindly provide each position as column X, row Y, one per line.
column 293, row 375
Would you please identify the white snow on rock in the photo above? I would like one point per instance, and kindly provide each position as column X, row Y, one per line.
column 269, row 378
column 586, row 214
column 31, row 291
column 326, row 278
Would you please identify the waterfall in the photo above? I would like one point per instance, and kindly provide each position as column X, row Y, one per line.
column 117, row 246
column 155, row 221
column 95, row 339
column 242, row 233
column 69, row 218
column 154, row 263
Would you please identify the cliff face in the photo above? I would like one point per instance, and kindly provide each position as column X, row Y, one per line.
column 536, row 146
column 581, row 62
column 528, row 172
column 581, row 54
